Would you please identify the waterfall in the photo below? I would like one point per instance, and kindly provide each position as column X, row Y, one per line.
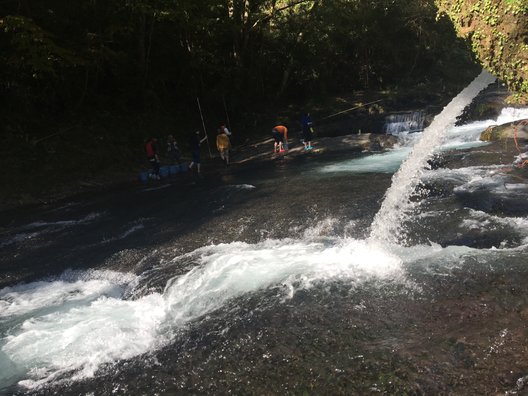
column 398, row 123
column 388, row 222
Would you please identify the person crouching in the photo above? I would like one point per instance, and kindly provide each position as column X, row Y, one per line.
column 280, row 134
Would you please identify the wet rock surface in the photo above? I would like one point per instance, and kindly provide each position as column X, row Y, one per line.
column 514, row 130
column 461, row 334
column 455, row 325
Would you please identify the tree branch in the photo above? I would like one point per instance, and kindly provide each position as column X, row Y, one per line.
column 275, row 11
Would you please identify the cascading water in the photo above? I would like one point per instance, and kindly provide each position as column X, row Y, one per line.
column 396, row 124
column 387, row 224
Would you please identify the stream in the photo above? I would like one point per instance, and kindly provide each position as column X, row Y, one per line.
column 270, row 278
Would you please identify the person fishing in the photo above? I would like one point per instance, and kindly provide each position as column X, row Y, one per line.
column 225, row 129
column 173, row 150
column 194, row 144
column 223, row 145
column 152, row 157
column 307, row 131
column 280, row 135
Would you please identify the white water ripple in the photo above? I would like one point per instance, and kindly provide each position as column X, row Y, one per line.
column 66, row 330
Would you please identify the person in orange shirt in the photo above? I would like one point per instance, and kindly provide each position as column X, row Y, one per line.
column 223, row 145
column 280, row 134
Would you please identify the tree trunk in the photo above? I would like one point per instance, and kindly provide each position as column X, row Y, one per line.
column 287, row 71
column 141, row 43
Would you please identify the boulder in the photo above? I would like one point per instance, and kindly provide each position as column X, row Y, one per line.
column 387, row 141
column 372, row 141
column 506, row 131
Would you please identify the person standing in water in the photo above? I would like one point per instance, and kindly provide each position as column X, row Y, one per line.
column 280, row 134
column 223, row 145
column 173, row 150
column 194, row 144
column 152, row 157
column 307, row 131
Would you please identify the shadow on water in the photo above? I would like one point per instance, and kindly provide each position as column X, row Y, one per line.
column 132, row 228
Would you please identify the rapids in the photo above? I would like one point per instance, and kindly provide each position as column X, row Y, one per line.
column 268, row 280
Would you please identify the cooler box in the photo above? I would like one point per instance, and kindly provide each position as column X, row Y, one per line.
column 143, row 177
column 164, row 171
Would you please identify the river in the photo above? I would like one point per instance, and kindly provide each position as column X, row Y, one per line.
column 264, row 279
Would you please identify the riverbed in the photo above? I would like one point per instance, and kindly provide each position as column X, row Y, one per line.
column 260, row 278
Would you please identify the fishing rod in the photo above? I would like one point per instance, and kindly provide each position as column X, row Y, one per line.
column 352, row 108
column 226, row 113
column 203, row 124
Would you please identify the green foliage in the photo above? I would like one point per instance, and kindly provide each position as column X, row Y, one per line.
column 33, row 50
column 63, row 58
column 497, row 31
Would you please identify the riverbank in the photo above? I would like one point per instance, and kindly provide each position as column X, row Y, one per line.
column 99, row 152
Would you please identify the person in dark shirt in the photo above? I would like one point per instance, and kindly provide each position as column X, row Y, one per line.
column 173, row 150
column 307, row 131
column 194, row 144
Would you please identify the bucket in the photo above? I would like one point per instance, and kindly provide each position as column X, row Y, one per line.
column 143, row 177
column 173, row 169
column 164, row 171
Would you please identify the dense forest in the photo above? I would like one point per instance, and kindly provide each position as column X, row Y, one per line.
column 84, row 83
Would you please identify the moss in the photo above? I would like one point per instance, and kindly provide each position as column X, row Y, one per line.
column 496, row 31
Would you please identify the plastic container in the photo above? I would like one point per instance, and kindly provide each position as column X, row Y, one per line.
column 143, row 177
column 164, row 171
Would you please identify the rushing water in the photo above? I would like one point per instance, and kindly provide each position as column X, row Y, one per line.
column 387, row 225
column 266, row 281
column 396, row 124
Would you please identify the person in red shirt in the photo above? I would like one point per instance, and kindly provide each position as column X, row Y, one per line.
column 152, row 157
column 280, row 134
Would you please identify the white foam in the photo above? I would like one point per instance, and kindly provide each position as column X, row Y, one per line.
column 515, row 186
column 230, row 270
column 82, row 338
column 471, row 178
column 132, row 228
column 75, row 327
column 72, row 286
column 44, row 227
column 63, row 223
column 480, row 220
column 511, row 114
column 242, row 186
